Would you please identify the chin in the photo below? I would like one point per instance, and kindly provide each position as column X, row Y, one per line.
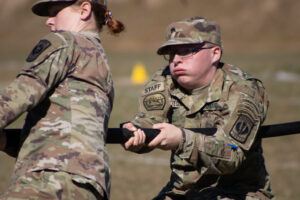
column 182, row 80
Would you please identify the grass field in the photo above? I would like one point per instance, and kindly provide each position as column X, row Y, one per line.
column 139, row 177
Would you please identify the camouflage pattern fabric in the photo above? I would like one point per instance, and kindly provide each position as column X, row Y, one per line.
column 49, row 185
column 230, row 162
column 67, row 89
column 194, row 30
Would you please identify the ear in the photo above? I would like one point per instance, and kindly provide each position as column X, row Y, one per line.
column 216, row 54
column 85, row 10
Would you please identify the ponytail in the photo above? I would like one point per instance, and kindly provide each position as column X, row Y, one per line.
column 104, row 17
column 114, row 25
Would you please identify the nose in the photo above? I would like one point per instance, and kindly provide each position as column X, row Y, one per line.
column 50, row 22
column 176, row 60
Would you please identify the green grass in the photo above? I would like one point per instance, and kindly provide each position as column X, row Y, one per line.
column 142, row 176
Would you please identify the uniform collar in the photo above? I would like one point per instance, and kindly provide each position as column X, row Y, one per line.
column 195, row 100
column 91, row 33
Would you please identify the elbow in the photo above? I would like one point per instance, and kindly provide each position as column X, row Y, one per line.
column 230, row 164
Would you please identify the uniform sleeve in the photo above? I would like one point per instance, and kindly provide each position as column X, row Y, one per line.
column 226, row 150
column 46, row 66
column 154, row 103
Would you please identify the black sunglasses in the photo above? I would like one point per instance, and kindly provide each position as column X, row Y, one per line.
column 185, row 53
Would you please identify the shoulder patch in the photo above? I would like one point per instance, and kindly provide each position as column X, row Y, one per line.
column 158, row 87
column 38, row 49
column 175, row 103
column 154, row 102
column 242, row 128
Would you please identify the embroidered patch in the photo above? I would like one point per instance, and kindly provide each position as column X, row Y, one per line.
column 38, row 49
column 154, row 102
column 175, row 103
column 154, row 88
column 242, row 128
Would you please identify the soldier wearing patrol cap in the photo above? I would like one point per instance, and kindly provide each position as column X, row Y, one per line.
column 66, row 88
column 197, row 90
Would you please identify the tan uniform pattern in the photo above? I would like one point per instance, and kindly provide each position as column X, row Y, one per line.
column 226, row 165
column 67, row 89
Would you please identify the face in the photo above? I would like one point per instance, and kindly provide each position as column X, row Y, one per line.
column 63, row 17
column 193, row 66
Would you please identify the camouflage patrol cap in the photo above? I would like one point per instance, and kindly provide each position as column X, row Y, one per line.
column 40, row 8
column 191, row 31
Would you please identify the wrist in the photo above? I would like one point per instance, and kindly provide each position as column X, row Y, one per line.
column 180, row 146
column 187, row 145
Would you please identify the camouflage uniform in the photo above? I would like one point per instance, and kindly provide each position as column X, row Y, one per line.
column 67, row 89
column 227, row 164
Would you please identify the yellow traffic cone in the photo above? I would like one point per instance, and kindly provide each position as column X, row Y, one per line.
column 139, row 74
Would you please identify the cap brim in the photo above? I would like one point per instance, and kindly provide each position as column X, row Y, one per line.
column 41, row 8
column 164, row 48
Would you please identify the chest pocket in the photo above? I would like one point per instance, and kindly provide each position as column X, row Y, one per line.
column 210, row 116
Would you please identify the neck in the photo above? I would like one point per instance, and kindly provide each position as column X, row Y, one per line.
column 86, row 25
column 208, row 77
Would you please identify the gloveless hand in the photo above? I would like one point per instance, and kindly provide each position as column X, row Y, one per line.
column 169, row 137
column 136, row 142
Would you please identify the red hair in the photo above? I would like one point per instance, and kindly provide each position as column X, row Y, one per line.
column 104, row 17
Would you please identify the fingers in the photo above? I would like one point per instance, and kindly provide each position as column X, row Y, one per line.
column 160, row 137
column 168, row 138
column 156, row 141
column 159, row 125
column 139, row 137
column 136, row 142
column 129, row 126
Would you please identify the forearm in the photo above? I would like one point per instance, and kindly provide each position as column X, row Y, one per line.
column 226, row 150
column 145, row 120
column 20, row 96
column 218, row 156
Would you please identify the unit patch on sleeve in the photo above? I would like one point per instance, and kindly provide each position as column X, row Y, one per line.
column 38, row 49
column 242, row 128
column 154, row 102
column 158, row 87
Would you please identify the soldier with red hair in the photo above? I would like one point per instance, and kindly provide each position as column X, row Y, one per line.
column 66, row 87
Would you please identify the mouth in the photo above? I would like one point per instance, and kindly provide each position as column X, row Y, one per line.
column 179, row 71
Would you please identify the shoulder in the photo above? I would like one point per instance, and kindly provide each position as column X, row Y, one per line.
column 236, row 73
column 154, row 99
column 158, row 81
column 49, row 44
column 161, row 74
column 247, row 102
column 245, row 92
column 240, row 79
column 60, row 38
